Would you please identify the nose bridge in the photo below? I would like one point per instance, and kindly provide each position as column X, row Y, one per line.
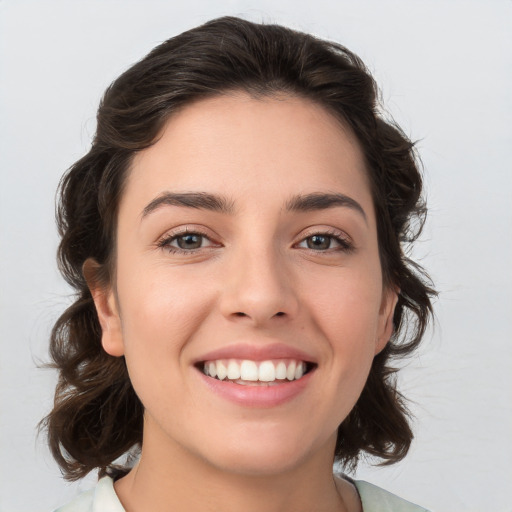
column 258, row 286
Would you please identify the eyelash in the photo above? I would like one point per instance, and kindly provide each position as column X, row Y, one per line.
column 344, row 244
column 165, row 242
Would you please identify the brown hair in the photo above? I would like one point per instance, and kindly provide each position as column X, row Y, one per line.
column 97, row 416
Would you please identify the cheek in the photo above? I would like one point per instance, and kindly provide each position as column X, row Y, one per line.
column 345, row 311
column 161, row 310
column 347, row 302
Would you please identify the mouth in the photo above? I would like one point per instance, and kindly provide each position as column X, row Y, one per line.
column 247, row 372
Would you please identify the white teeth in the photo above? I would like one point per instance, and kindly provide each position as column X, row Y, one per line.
column 267, row 371
column 252, row 371
column 222, row 371
column 233, row 370
column 290, row 372
column 281, row 370
column 249, row 371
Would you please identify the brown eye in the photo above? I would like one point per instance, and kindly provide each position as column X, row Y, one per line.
column 189, row 241
column 326, row 242
column 319, row 242
column 185, row 242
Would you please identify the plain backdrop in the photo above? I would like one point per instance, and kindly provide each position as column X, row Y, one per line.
column 445, row 70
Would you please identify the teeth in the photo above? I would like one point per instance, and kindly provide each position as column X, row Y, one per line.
column 251, row 371
column 267, row 371
column 290, row 372
column 222, row 371
column 281, row 371
column 233, row 370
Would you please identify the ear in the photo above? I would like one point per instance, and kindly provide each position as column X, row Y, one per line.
column 386, row 312
column 106, row 307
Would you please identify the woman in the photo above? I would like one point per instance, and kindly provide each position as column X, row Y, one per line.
column 235, row 239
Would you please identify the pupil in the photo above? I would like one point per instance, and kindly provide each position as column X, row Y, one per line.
column 319, row 242
column 189, row 241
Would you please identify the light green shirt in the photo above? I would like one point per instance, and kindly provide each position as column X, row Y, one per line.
column 103, row 498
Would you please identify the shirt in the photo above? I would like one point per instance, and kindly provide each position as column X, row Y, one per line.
column 103, row 498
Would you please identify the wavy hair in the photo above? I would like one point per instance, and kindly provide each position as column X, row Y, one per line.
column 97, row 417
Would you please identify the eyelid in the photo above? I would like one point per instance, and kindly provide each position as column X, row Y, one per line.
column 345, row 242
column 164, row 241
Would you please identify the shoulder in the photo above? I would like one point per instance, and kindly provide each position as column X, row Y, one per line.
column 101, row 498
column 375, row 499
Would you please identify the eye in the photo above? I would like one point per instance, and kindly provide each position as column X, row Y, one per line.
column 319, row 242
column 322, row 242
column 185, row 242
column 189, row 241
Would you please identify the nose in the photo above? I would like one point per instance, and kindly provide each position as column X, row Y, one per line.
column 258, row 289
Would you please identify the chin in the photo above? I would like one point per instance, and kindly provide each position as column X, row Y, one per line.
column 262, row 455
column 260, row 464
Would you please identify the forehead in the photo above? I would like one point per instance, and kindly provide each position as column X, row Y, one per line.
column 244, row 146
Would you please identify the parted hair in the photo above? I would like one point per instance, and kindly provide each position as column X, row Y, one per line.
column 97, row 416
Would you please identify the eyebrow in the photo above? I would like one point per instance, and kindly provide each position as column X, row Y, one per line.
column 323, row 201
column 216, row 203
column 198, row 200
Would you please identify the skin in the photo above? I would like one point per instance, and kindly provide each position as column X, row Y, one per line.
column 254, row 280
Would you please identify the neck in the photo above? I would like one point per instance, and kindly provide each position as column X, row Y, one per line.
column 175, row 479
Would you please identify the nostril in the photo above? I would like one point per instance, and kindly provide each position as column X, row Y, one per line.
column 241, row 314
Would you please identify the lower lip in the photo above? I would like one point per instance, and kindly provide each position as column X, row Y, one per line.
column 257, row 396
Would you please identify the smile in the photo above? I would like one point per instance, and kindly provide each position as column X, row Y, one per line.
column 248, row 372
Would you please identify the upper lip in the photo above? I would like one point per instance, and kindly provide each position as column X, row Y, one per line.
column 257, row 352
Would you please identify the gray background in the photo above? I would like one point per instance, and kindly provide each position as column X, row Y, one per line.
column 446, row 74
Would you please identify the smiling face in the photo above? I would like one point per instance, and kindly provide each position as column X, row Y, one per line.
column 247, row 243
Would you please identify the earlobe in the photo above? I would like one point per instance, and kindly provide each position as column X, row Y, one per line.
column 386, row 313
column 106, row 308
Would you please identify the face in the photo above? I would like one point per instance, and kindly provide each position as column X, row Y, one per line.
column 248, row 299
